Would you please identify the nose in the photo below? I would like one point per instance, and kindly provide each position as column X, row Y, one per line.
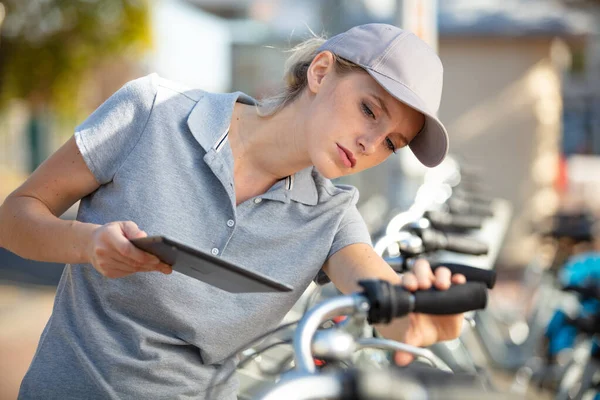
column 368, row 142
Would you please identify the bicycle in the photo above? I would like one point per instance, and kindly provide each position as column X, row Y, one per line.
column 379, row 302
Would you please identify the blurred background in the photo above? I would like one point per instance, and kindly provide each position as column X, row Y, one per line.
column 521, row 101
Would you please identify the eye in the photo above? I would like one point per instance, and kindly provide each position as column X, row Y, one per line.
column 367, row 110
column 390, row 145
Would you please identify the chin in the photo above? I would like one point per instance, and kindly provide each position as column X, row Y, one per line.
column 330, row 171
column 328, row 175
column 328, row 168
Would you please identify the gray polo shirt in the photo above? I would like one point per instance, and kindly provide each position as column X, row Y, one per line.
column 161, row 155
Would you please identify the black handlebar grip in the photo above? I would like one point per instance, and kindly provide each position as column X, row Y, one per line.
column 471, row 186
column 459, row 206
column 465, row 245
column 481, row 209
column 473, row 274
column 457, row 299
column 473, row 197
column 587, row 324
column 442, row 220
column 586, row 291
column 389, row 301
column 577, row 234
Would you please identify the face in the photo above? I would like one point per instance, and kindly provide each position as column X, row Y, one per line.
column 352, row 123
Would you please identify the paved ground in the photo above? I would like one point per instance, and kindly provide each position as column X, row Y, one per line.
column 24, row 312
column 26, row 296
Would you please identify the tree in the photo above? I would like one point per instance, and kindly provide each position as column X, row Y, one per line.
column 47, row 46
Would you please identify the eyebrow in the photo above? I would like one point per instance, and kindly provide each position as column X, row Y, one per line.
column 385, row 110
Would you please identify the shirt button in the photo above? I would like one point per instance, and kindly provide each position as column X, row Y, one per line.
column 257, row 200
column 230, row 223
column 215, row 251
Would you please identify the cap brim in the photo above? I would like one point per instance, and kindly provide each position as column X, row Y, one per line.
column 430, row 146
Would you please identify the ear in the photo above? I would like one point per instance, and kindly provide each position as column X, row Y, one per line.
column 320, row 66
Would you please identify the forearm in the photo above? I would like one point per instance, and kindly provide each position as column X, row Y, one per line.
column 356, row 262
column 396, row 329
column 345, row 269
column 30, row 230
column 365, row 264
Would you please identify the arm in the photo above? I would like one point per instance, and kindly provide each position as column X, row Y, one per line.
column 359, row 261
column 29, row 217
column 30, row 225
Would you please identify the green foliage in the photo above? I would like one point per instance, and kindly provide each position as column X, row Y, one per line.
column 578, row 61
column 47, row 46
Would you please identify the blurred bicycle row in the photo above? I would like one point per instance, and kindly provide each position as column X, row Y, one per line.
column 545, row 340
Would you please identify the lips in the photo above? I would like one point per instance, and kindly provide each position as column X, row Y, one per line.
column 346, row 156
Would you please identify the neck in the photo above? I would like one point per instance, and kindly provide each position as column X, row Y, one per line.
column 267, row 149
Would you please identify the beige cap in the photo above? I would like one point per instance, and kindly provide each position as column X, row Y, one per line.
column 408, row 69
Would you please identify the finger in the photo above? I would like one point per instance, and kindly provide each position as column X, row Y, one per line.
column 409, row 281
column 126, row 266
column 126, row 249
column 134, row 265
column 443, row 278
column 165, row 268
column 123, row 264
column 112, row 268
column 403, row 359
column 459, row 279
column 145, row 267
column 422, row 271
column 117, row 274
column 131, row 230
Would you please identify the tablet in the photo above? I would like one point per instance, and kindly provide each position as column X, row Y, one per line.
column 207, row 268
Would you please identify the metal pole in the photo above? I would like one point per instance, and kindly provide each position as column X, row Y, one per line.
column 420, row 17
column 398, row 20
column 2, row 16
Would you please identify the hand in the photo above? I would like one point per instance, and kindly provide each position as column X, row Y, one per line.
column 112, row 254
column 423, row 329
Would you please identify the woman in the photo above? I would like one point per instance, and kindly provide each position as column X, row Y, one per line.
column 209, row 170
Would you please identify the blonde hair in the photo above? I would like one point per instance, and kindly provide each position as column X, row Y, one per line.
column 295, row 75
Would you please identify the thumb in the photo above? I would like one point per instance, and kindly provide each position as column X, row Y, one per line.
column 402, row 358
column 411, row 338
column 131, row 230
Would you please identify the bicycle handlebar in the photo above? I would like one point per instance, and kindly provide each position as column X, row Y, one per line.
column 392, row 384
column 445, row 221
column 387, row 301
column 459, row 206
column 588, row 324
column 434, row 240
column 473, row 274
column 457, row 299
column 382, row 302
column 586, row 291
column 344, row 386
column 473, row 197
column 466, row 245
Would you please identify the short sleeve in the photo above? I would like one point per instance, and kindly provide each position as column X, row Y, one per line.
column 352, row 228
column 110, row 133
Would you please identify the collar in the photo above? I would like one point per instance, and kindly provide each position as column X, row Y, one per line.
column 209, row 123
column 210, row 118
column 301, row 187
